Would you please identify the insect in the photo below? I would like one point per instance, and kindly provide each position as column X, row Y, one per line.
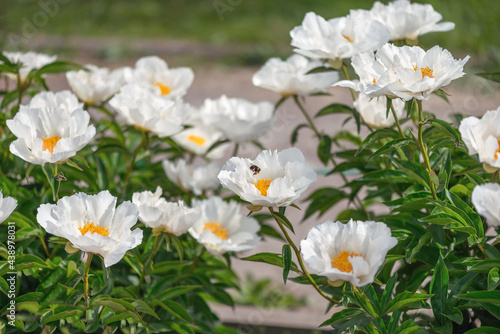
column 255, row 169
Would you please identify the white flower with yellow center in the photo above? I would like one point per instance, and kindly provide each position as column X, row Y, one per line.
column 154, row 72
column 141, row 107
column 193, row 177
column 405, row 72
column 272, row 179
column 486, row 200
column 222, row 228
column 351, row 252
column 95, row 85
column 238, row 119
column 338, row 38
column 7, row 206
column 163, row 216
column 199, row 139
column 51, row 128
column 29, row 61
column 93, row 224
column 482, row 137
column 374, row 110
column 407, row 20
column 289, row 77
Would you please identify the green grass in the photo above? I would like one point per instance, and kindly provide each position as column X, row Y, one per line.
column 262, row 24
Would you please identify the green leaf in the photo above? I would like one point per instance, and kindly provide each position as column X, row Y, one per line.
column 177, row 291
column 174, row 309
column 58, row 67
column 388, row 290
column 118, row 305
column 403, row 300
column 483, row 330
column 375, row 136
column 391, row 146
column 492, row 297
column 286, row 254
column 493, row 76
column 455, row 316
column 335, row 108
column 167, row 266
column 29, row 261
column 447, row 129
column 321, row 69
column 142, row 307
column 324, row 149
column 295, row 132
column 269, row 258
column 283, row 220
column 439, row 289
column 322, row 200
column 410, row 327
column 63, row 315
column 177, row 245
column 493, row 309
column 342, row 316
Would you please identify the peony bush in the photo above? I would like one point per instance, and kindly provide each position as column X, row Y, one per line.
column 119, row 212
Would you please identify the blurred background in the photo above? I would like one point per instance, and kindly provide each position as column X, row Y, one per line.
column 225, row 32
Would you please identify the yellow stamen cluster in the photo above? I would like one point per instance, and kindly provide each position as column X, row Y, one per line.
column 90, row 227
column 498, row 150
column 348, row 38
column 49, row 143
column 165, row 90
column 200, row 141
column 262, row 185
column 341, row 261
column 216, row 229
column 374, row 81
column 426, row 71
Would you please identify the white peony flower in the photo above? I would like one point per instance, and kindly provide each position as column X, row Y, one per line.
column 7, row 206
column 407, row 20
column 338, row 38
column 374, row 110
column 95, row 85
column 93, row 224
column 166, row 82
column 157, row 213
column 29, row 61
column 51, row 128
column 199, row 138
column 482, row 136
column 272, row 179
column 351, row 252
column 141, row 107
column 486, row 200
column 289, row 77
column 238, row 119
column 405, row 72
column 193, row 177
column 222, row 228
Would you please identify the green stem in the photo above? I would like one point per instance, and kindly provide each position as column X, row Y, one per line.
column 301, row 262
column 45, row 246
column 86, row 280
column 346, row 75
column 51, row 182
column 306, row 115
column 58, row 184
column 196, row 260
column 397, row 121
column 151, row 256
column 236, row 147
column 423, row 148
column 131, row 166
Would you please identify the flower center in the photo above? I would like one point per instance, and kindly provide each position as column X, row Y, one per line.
column 165, row 90
column 348, row 38
column 197, row 140
column 426, row 72
column 90, row 227
column 498, row 150
column 374, row 81
column 50, row 143
column 341, row 261
column 262, row 185
column 216, row 229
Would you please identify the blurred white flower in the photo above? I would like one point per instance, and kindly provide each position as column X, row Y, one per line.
column 163, row 216
column 199, row 138
column 351, row 252
column 193, row 177
column 141, row 107
column 407, row 20
column 238, row 119
column 93, row 224
column 51, row 128
column 482, row 137
column 405, row 72
column 29, row 61
column 222, row 228
column 272, row 179
column 7, row 206
column 289, row 77
column 154, row 72
column 374, row 110
column 95, row 85
column 338, row 38
column 486, row 200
